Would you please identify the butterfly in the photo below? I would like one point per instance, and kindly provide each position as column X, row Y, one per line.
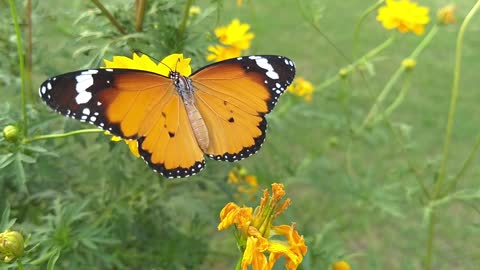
column 219, row 111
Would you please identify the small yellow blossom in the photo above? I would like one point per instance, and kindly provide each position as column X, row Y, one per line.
column 219, row 53
column 235, row 35
column 239, row 3
column 341, row 265
column 11, row 245
column 302, row 88
column 409, row 63
column 132, row 144
column 446, row 15
column 243, row 183
column 258, row 235
column 403, row 15
column 194, row 11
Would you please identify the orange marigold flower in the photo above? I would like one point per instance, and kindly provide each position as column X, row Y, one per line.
column 403, row 15
column 258, row 236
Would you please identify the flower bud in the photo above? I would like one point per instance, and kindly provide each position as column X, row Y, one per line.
column 446, row 15
column 409, row 63
column 10, row 133
column 343, row 72
column 341, row 265
column 11, row 245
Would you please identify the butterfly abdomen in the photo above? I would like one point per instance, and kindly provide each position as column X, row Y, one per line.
column 198, row 126
column 185, row 90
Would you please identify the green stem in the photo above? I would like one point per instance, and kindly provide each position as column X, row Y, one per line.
column 393, row 80
column 19, row 264
column 398, row 100
column 454, row 98
column 110, row 17
column 28, row 52
column 21, row 65
column 465, row 166
column 360, row 22
column 62, row 135
column 372, row 53
column 183, row 24
column 430, row 237
column 239, row 263
column 448, row 133
column 140, row 14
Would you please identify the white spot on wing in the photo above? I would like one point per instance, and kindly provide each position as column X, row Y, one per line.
column 86, row 111
column 83, row 97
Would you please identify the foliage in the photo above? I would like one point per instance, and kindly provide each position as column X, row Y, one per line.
column 376, row 145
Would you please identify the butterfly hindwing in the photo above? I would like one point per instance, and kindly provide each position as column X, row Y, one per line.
column 233, row 97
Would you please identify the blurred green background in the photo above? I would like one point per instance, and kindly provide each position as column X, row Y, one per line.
column 355, row 197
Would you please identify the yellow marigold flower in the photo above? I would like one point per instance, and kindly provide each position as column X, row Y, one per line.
column 172, row 62
column 403, row 15
column 302, row 88
column 446, row 15
column 235, row 35
column 11, row 245
column 219, row 53
column 258, row 236
column 239, row 3
column 341, row 265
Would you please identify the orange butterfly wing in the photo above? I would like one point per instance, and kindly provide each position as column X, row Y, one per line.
column 131, row 104
column 233, row 97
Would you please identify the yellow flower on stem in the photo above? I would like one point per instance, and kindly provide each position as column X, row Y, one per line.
column 302, row 88
column 235, row 35
column 403, row 15
column 258, row 237
column 219, row 53
column 171, row 62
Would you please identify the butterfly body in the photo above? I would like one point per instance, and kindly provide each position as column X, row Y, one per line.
column 219, row 111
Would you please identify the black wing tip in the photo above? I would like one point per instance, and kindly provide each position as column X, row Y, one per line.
column 177, row 172
column 246, row 151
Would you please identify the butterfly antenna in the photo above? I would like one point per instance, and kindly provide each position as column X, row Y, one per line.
column 171, row 70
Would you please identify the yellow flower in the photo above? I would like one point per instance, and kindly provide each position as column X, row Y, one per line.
column 404, row 15
column 341, row 265
column 239, row 3
column 244, row 183
column 11, row 245
column 302, row 88
column 235, row 35
column 174, row 62
column 219, row 53
column 257, row 235
column 446, row 15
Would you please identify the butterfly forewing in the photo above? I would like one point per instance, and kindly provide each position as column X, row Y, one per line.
column 233, row 97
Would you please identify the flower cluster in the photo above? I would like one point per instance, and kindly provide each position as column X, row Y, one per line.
column 234, row 38
column 243, row 183
column 302, row 88
column 257, row 236
column 403, row 15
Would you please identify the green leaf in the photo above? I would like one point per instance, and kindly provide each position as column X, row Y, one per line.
column 53, row 260
column 6, row 159
column 26, row 158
